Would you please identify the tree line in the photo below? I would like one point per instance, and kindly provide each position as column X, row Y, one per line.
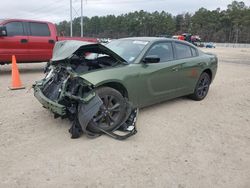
column 230, row 25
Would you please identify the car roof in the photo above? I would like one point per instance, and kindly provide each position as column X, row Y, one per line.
column 158, row 39
column 154, row 39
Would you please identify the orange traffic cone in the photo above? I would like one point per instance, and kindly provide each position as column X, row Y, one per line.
column 16, row 82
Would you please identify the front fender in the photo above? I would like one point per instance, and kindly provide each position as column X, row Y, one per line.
column 124, row 75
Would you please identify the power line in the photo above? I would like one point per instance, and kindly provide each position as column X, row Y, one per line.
column 58, row 6
column 45, row 7
column 123, row 1
column 42, row 9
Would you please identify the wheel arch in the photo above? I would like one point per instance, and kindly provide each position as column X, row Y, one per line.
column 117, row 86
column 209, row 72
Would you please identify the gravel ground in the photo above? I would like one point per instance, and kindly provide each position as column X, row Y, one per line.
column 180, row 143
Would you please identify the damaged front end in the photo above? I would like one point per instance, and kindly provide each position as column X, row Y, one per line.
column 68, row 95
column 61, row 89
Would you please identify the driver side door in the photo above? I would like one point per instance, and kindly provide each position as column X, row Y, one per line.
column 163, row 80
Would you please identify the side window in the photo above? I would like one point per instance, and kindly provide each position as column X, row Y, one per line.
column 14, row 29
column 163, row 50
column 194, row 52
column 183, row 51
column 39, row 29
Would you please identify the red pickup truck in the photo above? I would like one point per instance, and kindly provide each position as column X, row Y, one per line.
column 29, row 40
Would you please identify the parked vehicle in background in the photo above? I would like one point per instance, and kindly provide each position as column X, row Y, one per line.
column 105, row 40
column 178, row 37
column 29, row 40
column 210, row 45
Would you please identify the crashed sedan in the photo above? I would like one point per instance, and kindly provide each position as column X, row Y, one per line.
column 100, row 88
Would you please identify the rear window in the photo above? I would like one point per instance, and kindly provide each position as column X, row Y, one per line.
column 14, row 29
column 183, row 51
column 39, row 29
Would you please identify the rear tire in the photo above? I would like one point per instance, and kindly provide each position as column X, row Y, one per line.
column 202, row 87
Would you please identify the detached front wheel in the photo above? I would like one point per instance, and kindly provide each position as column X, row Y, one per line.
column 202, row 87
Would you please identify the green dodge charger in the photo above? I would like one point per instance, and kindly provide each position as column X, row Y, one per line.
column 125, row 74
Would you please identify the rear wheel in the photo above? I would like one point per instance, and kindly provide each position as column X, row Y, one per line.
column 111, row 113
column 202, row 87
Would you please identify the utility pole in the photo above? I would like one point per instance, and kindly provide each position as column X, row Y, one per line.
column 81, row 19
column 71, row 25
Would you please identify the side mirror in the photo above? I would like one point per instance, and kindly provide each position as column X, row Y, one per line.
column 3, row 31
column 151, row 59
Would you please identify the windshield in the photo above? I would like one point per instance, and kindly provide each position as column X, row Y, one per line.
column 127, row 49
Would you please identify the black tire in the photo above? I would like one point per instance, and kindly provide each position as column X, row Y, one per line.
column 202, row 87
column 111, row 113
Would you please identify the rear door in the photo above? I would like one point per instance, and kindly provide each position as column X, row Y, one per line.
column 189, row 65
column 15, row 43
column 41, row 43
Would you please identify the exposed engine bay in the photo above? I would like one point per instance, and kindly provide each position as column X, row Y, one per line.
column 83, row 63
column 68, row 95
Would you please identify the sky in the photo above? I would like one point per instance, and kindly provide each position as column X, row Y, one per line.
column 58, row 10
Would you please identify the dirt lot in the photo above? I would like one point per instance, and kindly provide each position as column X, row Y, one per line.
column 180, row 143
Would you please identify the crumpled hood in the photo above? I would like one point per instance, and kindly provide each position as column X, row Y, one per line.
column 65, row 49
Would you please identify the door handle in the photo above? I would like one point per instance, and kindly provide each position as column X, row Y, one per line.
column 23, row 40
column 51, row 41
